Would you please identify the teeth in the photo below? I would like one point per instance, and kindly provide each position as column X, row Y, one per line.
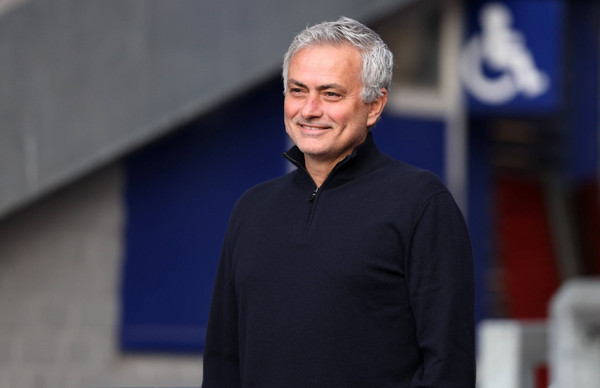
column 310, row 127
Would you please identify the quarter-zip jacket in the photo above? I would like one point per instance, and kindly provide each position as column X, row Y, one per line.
column 365, row 282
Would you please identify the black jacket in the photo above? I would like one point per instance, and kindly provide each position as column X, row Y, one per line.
column 367, row 282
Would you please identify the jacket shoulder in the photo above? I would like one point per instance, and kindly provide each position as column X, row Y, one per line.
column 411, row 180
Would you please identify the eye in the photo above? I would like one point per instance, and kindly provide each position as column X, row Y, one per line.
column 332, row 95
column 296, row 91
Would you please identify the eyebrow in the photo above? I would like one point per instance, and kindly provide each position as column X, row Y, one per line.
column 320, row 87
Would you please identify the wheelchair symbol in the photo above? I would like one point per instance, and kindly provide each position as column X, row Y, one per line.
column 503, row 50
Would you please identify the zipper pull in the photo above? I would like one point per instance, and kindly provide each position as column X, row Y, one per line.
column 313, row 195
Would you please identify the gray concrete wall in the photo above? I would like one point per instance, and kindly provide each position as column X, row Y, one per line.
column 7, row 5
column 60, row 262
column 83, row 82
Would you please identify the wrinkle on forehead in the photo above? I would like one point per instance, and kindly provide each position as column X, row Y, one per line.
column 326, row 62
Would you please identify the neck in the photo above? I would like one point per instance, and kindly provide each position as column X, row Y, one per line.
column 319, row 170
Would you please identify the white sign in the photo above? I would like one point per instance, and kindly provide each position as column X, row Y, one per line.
column 503, row 50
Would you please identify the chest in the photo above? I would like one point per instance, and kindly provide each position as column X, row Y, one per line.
column 341, row 242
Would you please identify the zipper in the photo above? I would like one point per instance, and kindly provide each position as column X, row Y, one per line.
column 313, row 197
column 302, row 168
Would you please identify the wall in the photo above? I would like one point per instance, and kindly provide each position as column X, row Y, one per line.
column 60, row 266
column 84, row 82
column 179, row 195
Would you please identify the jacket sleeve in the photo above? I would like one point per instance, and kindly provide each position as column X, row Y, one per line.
column 442, row 295
column 221, row 351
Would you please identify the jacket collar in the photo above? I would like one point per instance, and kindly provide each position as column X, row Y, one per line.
column 363, row 159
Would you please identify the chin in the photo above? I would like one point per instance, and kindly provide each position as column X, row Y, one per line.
column 311, row 146
column 311, row 151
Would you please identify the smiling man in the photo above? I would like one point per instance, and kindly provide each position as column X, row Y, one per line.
column 325, row 115
column 355, row 269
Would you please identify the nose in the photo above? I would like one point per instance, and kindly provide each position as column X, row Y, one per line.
column 312, row 107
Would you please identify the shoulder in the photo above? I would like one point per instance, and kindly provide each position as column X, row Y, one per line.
column 409, row 181
column 425, row 193
column 266, row 188
column 263, row 194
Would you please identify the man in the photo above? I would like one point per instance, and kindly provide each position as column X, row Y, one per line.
column 355, row 269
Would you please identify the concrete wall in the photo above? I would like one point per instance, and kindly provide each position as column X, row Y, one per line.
column 85, row 81
column 60, row 264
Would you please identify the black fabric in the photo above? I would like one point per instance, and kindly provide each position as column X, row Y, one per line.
column 367, row 284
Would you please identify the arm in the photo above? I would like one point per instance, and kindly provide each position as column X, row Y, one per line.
column 441, row 283
column 221, row 351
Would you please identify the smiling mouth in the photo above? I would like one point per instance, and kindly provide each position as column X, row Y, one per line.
column 313, row 127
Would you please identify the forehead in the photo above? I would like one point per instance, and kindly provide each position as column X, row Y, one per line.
column 343, row 60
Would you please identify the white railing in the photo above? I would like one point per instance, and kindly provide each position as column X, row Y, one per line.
column 511, row 352
column 574, row 340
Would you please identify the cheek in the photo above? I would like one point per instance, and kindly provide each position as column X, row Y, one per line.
column 342, row 115
column 290, row 108
column 288, row 117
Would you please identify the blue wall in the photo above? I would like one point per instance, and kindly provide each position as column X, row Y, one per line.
column 420, row 142
column 179, row 194
column 582, row 101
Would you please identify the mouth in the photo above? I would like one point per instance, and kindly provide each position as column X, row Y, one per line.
column 313, row 127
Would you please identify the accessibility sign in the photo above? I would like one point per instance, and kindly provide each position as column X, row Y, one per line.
column 511, row 60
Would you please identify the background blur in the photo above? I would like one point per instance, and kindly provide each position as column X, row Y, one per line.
column 128, row 129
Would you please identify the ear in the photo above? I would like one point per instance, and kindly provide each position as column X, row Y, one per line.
column 376, row 107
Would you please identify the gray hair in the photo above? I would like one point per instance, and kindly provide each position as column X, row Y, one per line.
column 377, row 59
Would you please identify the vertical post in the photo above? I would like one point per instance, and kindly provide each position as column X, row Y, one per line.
column 510, row 353
column 456, row 128
column 575, row 335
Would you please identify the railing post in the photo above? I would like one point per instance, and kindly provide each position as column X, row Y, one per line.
column 575, row 335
